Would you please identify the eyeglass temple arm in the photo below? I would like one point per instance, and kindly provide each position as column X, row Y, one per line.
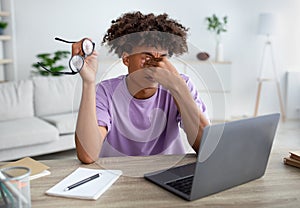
column 41, row 65
column 65, row 41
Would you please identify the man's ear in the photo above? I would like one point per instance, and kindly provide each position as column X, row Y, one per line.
column 125, row 58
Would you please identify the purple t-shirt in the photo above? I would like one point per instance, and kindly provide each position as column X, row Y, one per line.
column 140, row 127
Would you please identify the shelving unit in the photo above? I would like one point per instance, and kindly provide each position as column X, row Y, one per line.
column 213, row 82
column 8, row 69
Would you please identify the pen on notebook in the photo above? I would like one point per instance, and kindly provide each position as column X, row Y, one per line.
column 82, row 181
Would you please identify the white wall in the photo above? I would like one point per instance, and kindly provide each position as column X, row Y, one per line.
column 39, row 21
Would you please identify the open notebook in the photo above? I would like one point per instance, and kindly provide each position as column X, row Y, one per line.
column 91, row 190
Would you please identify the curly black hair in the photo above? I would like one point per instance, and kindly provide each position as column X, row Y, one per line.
column 137, row 29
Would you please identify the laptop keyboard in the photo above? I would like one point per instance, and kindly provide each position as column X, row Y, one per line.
column 182, row 184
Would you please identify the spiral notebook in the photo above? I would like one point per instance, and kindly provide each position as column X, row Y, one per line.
column 91, row 190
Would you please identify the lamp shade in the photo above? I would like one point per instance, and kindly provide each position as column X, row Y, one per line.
column 266, row 24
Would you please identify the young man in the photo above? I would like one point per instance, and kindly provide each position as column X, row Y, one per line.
column 139, row 114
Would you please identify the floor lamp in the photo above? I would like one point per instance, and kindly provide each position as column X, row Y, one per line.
column 266, row 27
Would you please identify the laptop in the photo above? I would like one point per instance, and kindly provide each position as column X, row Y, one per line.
column 230, row 154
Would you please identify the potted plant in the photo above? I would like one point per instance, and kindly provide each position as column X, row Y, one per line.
column 3, row 25
column 49, row 61
column 218, row 26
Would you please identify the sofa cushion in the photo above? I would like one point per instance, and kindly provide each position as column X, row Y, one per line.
column 25, row 132
column 16, row 100
column 65, row 123
column 55, row 95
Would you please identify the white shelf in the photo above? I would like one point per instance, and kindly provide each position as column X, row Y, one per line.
column 6, row 61
column 4, row 14
column 5, row 37
column 213, row 81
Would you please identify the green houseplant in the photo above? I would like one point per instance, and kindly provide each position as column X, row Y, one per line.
column 218, row 26
column 50, row 61
column 3, row 25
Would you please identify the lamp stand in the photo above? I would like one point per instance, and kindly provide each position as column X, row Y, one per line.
column 261, row 80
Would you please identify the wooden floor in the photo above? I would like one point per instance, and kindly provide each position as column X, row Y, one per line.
column 288, row 136
column 59, row 155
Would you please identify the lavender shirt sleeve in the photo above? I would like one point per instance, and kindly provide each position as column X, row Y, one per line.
column 102, row 106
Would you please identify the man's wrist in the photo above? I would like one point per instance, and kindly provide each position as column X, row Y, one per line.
column 177, row 85
column 88, row 84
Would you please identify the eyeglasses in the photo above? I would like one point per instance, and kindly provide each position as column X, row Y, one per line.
column 76, row 62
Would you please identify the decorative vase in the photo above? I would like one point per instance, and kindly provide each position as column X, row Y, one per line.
column 219, row 52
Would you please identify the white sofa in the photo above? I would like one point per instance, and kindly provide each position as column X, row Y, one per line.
column 38, row 116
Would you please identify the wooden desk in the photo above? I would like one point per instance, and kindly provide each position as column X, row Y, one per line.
column 280, row 186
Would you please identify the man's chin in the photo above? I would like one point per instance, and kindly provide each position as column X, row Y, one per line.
column 150, row 86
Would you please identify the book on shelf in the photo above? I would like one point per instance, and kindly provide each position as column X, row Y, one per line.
column 293, row 159
column 37, row 169
column 86, row 189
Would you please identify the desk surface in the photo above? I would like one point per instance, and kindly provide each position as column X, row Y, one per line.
column 279, row 187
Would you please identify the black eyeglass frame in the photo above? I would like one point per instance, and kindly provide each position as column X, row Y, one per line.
column 72, row 71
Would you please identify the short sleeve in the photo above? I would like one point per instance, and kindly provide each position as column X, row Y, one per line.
column 102, row 106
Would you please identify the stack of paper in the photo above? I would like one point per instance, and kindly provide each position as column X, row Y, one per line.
column 92, row 189
column 293, row 159
column 37, row 168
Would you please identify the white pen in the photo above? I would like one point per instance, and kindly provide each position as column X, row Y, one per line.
column 82, row 182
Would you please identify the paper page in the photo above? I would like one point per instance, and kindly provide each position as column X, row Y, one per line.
column 90, row 190
column 41, row 174
column 295, row 152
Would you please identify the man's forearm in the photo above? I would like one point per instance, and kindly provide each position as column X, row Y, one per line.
column 88, row 137
column 193, row 119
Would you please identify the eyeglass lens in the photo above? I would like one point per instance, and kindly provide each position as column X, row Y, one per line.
column 76, row 63
column 87, row 47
